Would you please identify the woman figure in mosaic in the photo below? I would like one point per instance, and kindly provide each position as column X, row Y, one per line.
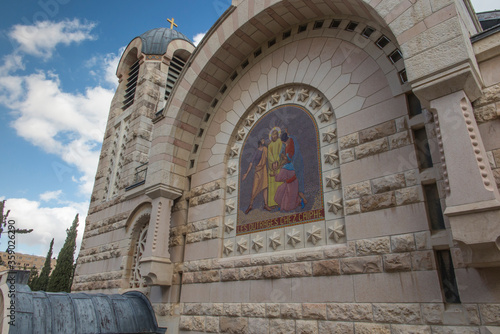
column 291, row 193
column 260, row 184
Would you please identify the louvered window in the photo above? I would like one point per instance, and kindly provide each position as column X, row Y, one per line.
column 174, row 71
column 131, row 85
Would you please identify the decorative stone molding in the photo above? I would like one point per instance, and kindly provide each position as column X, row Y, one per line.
column 156, row 270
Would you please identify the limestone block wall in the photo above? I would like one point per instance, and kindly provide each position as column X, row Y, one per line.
column 487, row 113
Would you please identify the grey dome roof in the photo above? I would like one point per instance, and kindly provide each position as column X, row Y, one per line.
column 155, row 41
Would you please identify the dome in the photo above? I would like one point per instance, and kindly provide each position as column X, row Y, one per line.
column 155, row 41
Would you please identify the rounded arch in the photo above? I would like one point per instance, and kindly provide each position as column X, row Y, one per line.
column 136, row 229
column 138, row 217
column 131, row 54
column 350, row 77
column 223, row 56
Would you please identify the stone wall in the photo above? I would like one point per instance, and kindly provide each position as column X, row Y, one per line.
column 341, row 318
column 487, row 113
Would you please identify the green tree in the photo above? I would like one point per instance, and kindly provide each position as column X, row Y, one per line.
column 33, row 277
column 62, row 276
column 41, row 283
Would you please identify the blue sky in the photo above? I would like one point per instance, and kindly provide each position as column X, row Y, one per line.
column 57, row 76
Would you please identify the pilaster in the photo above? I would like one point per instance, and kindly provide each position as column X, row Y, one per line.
column 472, row 199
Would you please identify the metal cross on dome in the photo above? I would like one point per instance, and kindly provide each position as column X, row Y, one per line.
column 172, row 24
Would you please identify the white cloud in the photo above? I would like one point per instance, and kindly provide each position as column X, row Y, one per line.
column 104, row 68
column 68, row 125
column 198, row 37
column 485, row 5
column 50, row 195
column 46, row 222
column 42, row 38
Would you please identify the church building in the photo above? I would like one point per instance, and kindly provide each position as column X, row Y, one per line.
column 312, row 166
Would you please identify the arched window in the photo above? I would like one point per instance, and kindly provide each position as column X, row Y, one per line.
column 136, row 280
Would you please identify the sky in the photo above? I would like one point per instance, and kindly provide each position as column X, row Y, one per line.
column 57, row 77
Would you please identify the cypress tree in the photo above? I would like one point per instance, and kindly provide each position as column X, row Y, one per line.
column 33, row 277
column 61, row 278
column 41, row 283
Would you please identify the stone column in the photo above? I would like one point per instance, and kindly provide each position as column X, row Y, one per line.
column 472, row 198
column 155, row 265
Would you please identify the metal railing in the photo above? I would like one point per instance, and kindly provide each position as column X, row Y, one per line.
column 139, row 176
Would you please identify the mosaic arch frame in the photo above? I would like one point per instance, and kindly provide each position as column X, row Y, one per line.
column 294, row 225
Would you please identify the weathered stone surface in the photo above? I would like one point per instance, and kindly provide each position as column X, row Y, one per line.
column 258, row 326
column 232, row 309
column 376, row 132
column 433, row 313
column 344, row 250
column 423, row 260
column 243, row 263
column 326, row 268
column 314, row 311
column 362, row 265
column 298, row 269
column 349, row 141
column 335, row 327
column 399, row 139
column 203, row 225
column 273, row 310
column 371, row 148
column 282, row 258
column 232, row 274
column 455, row 330
column 490, row 95
column 472, row 314
column 352, row 206
column 411, row 177
column 206, row 188
column 260, row 261
column 423, row 240
column 212, row 324
column 401, row 124
column 387, row 183
column 407, row 195
column 216, row 309
column 306, row 327
column 278, row 326
column 308, row 256
column 490, row 314
column 192, row 323
column 251, row 273
column 486, row 113
column 397, row 313
column 271, row 271
column 291, row 311
column 377, row 202
column 357, row 190
column 206, row 198
column 402, row 243
column 210, row 276
column 411, row 329
column 233, row 325
column 349, row 312
column 373, row 246
column 362, row 328
column 253, row 310
column 347, row 156
column 192, row 309
column 397, row 262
